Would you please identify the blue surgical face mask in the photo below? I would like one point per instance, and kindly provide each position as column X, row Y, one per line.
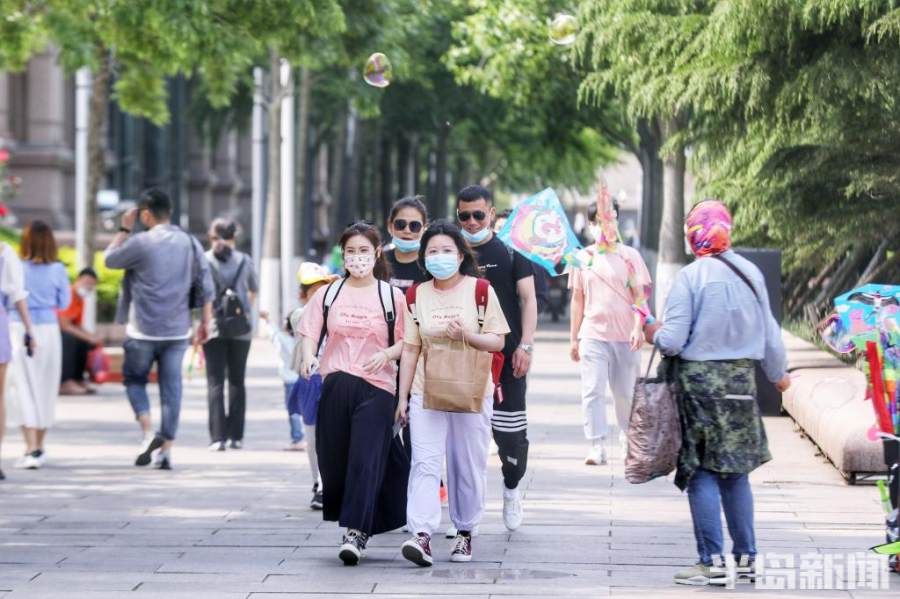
column 476, row 238
column 442, row 266
column 407, row 246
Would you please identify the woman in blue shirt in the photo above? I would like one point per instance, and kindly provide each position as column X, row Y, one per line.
column 35, row 378
column 717, row 320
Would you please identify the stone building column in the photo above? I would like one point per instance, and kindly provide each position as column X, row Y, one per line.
column 44, row 158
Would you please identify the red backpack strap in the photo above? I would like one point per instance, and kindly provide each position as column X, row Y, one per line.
column 411, row 301
column 481, row 299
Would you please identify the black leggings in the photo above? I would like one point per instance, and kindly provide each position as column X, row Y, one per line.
column 226, row 357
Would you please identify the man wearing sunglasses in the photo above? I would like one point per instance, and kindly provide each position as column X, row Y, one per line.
column 512, row 278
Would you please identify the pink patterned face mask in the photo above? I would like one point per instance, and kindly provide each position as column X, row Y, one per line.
column 708, row 228
column 359, row 265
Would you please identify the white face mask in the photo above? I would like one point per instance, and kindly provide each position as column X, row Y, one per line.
column 360, row 265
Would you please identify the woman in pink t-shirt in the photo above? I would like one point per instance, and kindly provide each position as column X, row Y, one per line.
column 609, row 298
column 357, row 455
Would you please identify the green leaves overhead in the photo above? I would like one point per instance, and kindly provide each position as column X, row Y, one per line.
column 218, row 40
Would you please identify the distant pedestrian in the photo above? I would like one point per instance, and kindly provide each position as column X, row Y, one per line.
column 165, row 273
column 718, row 321
column 12, row 288
column 77, row 341
column 451, row 319
column 34, row 384
column 608, row 306
column 357, row 318
column 228, row 344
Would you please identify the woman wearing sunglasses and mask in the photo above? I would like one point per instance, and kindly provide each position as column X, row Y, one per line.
column 406, row 224
column 356, row 317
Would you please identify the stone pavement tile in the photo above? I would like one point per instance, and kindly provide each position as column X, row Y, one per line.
column 409, row 594
column 227, row 560
column 55, row 580
column 572, row 588
column 224, row 538
column 13, row 576
column 29, row 594
column 35, row 555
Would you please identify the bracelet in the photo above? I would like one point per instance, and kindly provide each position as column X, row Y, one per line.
column 124, row 230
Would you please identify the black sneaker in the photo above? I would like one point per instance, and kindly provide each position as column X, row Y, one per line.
column 2, row 476
column 163, row 462
column 236, row 444
column 352, row 547
column 418, row 550
column 462, row 548
column 318, row 502
column 144, row 458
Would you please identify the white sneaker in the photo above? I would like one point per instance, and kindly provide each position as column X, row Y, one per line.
column 596, row 456
column 28, row 462
column 493, row 449
column 512, row 508
column 623, row 443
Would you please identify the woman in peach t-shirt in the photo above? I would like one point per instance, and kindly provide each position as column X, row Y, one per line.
column 356, row 411
column 609, row 293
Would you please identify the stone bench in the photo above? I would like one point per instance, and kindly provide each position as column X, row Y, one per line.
column 827, row 401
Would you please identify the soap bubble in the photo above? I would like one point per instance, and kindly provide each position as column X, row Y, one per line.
column 378, row 71
column 563, row 29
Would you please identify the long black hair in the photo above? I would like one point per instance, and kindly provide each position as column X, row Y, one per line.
column 382, row 269
column 446, row 227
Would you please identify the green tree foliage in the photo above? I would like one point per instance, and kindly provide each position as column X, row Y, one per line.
column 801, row 127
column 218, row 40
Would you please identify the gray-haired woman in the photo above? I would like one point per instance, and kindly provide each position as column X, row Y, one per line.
column 228, row 346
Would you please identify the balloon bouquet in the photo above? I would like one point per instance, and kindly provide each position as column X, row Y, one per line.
column 866, row 320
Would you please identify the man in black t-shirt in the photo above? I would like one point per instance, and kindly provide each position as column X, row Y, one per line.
column 512, row 278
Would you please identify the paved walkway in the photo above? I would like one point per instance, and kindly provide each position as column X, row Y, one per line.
column 236, row 524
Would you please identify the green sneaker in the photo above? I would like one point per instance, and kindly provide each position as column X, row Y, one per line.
column 699, row 575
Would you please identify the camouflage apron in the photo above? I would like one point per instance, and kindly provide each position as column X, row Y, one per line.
column 721, row 427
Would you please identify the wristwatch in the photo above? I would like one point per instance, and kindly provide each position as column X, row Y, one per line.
column 526, row 347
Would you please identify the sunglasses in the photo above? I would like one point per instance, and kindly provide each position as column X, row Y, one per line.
column 465, row 216
column 414, row 226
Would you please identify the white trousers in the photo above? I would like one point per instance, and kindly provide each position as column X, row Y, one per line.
column 463, row 439
column 33, row 382
column 606, row 364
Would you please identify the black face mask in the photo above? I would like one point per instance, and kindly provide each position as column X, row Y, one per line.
column 222, row 252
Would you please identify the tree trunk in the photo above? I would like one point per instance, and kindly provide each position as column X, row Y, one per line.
column 96, row 146
column 671, row 236
column 336, row 177
column 304, row 95
column 402, row 161
column 439, row 208
column 415, row 165
column 270, row 277
column 388, row 195
column 652, row 184
column 322, row 201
